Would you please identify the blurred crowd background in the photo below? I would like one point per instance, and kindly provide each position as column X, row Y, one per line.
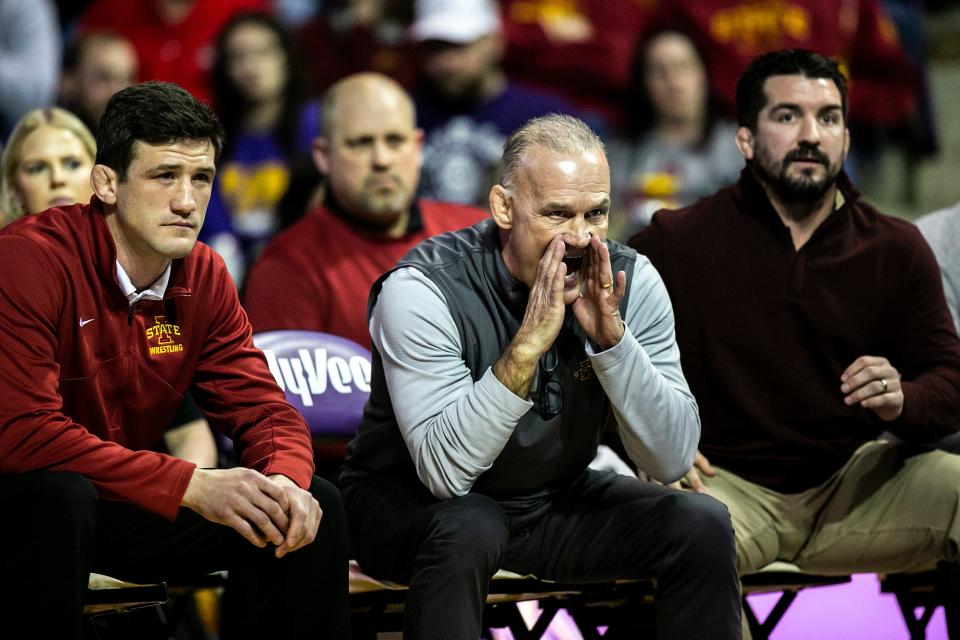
column 654, row 77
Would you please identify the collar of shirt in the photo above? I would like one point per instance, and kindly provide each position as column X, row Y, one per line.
column 153, row 292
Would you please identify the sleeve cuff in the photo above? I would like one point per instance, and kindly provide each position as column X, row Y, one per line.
column 504, row 399
column 610, row 357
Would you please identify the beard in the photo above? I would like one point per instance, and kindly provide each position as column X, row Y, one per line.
column 802, row 189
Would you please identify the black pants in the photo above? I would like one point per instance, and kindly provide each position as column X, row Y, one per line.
column 605, row 526
column 56, row 531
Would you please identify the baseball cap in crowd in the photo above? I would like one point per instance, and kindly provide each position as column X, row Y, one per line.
column 456, row 21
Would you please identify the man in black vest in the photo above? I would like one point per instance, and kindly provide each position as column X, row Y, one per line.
column 500, row 352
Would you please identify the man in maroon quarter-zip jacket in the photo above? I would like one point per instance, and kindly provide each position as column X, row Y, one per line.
column 111, row 312
column 809, row 324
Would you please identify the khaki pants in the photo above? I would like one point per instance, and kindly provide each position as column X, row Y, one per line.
column 882, row 512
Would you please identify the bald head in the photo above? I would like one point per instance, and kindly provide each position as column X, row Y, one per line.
column 362, row 91
column 370, row 150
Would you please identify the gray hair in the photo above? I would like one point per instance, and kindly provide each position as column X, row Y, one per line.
column 553, row 131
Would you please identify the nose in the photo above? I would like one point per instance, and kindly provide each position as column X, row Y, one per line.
column 184, row 201
column 382, row 155
column 810, row 130
column 577, row 233
column 57, row 178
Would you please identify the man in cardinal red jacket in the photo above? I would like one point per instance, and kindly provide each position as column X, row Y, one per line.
column 111, row 312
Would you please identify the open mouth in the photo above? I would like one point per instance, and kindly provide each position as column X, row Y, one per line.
column 573, row 263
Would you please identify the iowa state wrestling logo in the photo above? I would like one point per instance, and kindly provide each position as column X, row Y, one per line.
column 163, row 337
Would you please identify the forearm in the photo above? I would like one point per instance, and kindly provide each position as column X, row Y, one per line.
column 150, row 480
column 657, row 414
column 658, row 417
column 193, row 442
column 517, row 366
column 454, row 426
column 453, row 448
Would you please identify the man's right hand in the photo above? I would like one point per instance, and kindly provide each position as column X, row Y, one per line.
column 541, row 323
column 240, row 498
column 692, row 480
column 543, row 317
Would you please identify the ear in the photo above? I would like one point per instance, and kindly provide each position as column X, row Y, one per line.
column 846, row 142
column 745, row 143
column 320, row 150
column 104, row 181
column 501, row 207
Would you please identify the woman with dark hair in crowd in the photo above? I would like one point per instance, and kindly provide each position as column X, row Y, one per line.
column 260, row 100
column 681, row 149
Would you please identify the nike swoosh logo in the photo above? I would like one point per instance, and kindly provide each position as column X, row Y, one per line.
column 86, row 322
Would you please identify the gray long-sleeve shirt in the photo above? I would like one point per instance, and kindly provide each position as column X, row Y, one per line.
column 455, row 427
column 941, row 229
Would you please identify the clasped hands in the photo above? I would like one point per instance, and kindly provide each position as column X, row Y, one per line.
column 262, row 509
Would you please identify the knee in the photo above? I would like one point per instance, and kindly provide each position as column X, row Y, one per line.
column 328, row 496
column 702, row 526
column 469, row 531
column 333, row 523
column 62, row 498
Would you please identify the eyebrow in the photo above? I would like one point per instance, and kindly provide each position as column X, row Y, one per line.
column 558, row 206
column 172, row 166
column 793, row 106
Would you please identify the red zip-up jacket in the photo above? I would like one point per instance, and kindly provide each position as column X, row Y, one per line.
column 91, row 383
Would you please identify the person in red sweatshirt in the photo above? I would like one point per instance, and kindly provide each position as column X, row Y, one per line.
column 316, row 275
column 111, row 313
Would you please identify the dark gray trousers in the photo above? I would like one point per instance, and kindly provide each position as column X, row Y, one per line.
column 603, row 527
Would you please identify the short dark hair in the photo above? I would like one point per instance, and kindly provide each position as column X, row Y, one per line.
column 155, row 113
column 751, row 98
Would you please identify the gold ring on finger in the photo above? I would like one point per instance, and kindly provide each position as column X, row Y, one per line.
column 608, row 285
column 883, row 383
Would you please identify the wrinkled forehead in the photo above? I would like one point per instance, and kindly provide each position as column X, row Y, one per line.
column 371, row 113
column 545, row 171
column 799, row 89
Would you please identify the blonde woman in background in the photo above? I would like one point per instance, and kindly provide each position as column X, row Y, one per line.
column 47, row 163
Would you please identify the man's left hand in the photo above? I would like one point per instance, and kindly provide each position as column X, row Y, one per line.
column 598, row 308
column 873, row 383
column 304, row 516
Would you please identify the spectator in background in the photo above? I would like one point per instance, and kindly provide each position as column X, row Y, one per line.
column 47, row 163
column 581, row 50
column 96, row 65
column 465, row 103
column 856, row 33
column 351, row 36
column 316, row 274
column 942, row 231
column 268, row 126
column 29, row 58
column 683, row 149
column 174, row 38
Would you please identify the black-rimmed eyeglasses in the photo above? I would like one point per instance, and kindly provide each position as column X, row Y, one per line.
column 548, row 397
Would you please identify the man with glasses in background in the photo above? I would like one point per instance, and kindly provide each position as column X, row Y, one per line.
column 500, row 352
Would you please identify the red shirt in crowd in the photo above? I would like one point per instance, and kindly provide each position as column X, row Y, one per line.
column 317, row 274
column 883, row 83
column 181, row 52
